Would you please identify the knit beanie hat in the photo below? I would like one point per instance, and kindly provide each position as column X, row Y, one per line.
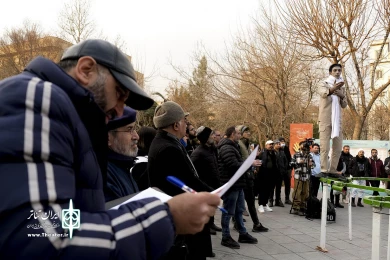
column 203, row 134
column 168, row 113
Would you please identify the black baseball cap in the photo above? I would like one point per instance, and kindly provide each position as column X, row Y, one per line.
column 111, row 57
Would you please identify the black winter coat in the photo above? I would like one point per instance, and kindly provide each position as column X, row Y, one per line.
column 347, row 159
column 354, row 168
column 286, row 151
column 205, row 161
column 168, row 157
column 264, row 157
column 282, row 162
column 229, row 161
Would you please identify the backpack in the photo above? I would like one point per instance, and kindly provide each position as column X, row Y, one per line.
column 331, row 211
column 313, row 210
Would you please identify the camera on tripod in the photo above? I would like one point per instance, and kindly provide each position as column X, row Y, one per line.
column 307, row 143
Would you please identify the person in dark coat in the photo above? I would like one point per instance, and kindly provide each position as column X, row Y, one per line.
column 139, row 172
column 250, row 180
column 282, row 165
column 359, row 167
column 377, row 169
column 287, row 176
column 347, row 158
column 205, row 161
column 266, row 175
column 229, row 161
column 146, row 135
column 335, row 195
column 122, row 144
column 192, row 141
column 168, row 157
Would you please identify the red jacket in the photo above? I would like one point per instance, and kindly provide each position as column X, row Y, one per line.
column 377, row 168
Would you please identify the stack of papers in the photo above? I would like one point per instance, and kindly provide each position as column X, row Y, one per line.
column 148, row 193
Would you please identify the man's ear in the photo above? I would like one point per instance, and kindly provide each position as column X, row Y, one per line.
column 86, row 70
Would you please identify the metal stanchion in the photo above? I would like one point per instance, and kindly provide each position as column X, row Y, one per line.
column 350, row 214
column 376, row 233
column 322, row 246
column 388, row 240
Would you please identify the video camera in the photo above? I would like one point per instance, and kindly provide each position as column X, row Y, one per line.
column 306, row 144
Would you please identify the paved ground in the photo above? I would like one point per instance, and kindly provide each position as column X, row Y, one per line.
column 292, row 237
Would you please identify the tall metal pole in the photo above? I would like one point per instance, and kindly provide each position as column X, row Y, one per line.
column 376, row 233
column 322, row 246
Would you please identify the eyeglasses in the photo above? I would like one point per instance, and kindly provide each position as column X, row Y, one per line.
column 220, row 135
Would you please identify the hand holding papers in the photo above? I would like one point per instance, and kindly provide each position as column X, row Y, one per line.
column 244, row 167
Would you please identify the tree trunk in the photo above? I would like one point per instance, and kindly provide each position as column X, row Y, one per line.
column 359, row 124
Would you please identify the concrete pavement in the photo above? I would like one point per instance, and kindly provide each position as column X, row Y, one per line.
column 295, row 238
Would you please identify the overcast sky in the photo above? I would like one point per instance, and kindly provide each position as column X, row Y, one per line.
column 155, row 31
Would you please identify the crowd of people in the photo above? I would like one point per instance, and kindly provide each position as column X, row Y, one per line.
column 67, row 134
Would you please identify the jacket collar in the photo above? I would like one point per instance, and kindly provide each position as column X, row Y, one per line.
column 120, row 159
column 227, row 141
column 166, row 134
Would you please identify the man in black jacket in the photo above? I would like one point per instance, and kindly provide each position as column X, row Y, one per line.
column 205, row 161
column 265, row 176
column 168, row 157
column 250, row 180
column 282, row 164
column 230, row 160
column 287, row 176
column 191, row 139
column 347, row 158
column 359, row 167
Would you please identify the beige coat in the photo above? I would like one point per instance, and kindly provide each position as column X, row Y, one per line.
column 325, row 107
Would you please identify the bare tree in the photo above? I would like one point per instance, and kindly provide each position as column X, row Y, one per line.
column 19, row 45
column 195, row 96
column 342, row 32
column 264, row 74
column 75, row 21
column 260, row 81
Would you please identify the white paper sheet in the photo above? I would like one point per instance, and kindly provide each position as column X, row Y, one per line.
column 244, row 167
column 148, row 193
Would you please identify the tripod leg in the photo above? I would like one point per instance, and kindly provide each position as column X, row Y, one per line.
column 295, row 194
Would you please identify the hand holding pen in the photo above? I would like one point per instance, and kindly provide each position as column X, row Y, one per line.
column 178, row 183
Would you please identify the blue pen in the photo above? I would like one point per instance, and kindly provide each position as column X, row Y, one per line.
column 178, row 183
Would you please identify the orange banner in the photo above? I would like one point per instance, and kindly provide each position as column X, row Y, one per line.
column 298, row 133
